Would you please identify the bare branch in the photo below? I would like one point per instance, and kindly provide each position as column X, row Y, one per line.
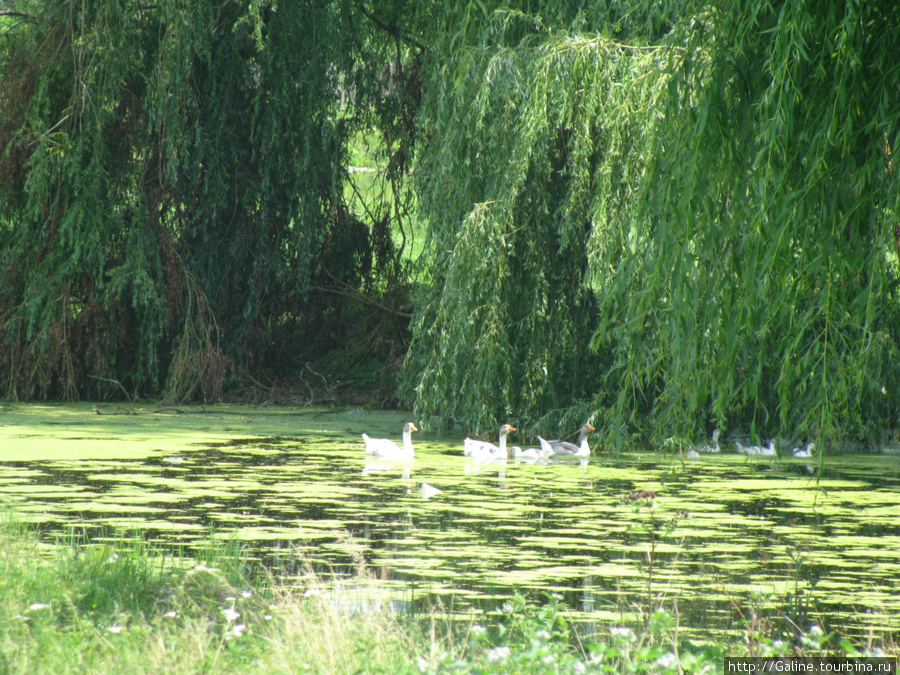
column 349, row 292
column 22, row 15
column 393, row 30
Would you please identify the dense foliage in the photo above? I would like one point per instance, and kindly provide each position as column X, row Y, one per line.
column 661, row 216
column 664, row 216
column 171, row 188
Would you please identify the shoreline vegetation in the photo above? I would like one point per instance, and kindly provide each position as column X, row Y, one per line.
column 126, row 607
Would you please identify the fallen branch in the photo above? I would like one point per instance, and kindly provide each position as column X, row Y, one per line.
column 350, row 292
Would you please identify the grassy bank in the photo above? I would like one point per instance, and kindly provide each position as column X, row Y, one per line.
column 124, row 608
column 75, row 608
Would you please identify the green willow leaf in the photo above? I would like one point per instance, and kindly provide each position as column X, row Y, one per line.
column 685, row 225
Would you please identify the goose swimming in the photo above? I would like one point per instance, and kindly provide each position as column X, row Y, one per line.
column 711, row 448
column 805, row 453
column 757, row 450
column 529, row 455
column 564, row 448
column 483, row 450
column 387, row 449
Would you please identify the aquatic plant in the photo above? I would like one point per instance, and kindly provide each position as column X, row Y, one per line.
column 771, row 620
column 651, row 522
column 192, row 618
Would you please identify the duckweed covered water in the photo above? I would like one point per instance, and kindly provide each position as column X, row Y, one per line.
column 762, row 535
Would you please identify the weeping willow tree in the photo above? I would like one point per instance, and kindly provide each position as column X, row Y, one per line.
column 663, row 217
column 171, row 186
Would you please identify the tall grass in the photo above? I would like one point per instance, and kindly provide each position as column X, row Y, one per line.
column 74, row 607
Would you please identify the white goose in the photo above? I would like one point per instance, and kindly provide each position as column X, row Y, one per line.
column 529, row 455
column 387, row 449
column 482, row 450
column 711, row 448
column 806, row 452
column 757, row 450
column 564, row 448
column 428, row 491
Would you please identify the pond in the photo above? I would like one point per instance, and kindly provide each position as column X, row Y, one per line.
column 730, row 538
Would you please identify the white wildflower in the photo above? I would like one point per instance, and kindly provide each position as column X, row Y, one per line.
column 622, row 633
column 115, row 629
column 497, row 654
column 230, row 614
column 38, row 605
column 667, row 661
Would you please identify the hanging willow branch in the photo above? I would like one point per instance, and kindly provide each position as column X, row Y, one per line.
column 714, row 204
column 171, row 183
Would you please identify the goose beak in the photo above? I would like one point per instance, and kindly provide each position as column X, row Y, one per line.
column 413, row 427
